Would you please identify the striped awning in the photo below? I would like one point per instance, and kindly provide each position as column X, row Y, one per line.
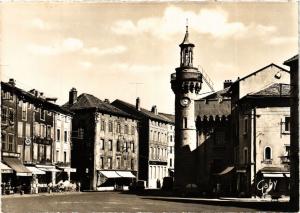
column 17, row 166
column 126, row 174
column 5, row 169
column 110, row 174
column 48, row 168
column 35, row 170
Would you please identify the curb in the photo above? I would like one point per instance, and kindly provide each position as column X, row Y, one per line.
column 38, row 195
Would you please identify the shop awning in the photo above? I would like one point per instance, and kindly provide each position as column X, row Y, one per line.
column 227, row 170
column 287, row 175
column 269, row 175
column 35, row 170
column 17, row 166
column 67, row 169
column 47, row 168
column 125, row 174
column 5, row 169
column 110, row 174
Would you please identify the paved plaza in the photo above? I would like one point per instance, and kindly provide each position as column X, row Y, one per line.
column 121, row 202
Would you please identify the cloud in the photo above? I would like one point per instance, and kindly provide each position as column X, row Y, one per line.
column 207, row 21
column 38, row 23
column 136, row 68
column 107, row 51
column 279, row 40
column 85, row 64
column 73, row 45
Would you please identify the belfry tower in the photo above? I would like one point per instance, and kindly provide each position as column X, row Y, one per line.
column 186, row 85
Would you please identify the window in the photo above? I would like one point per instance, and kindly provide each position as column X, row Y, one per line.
column 20, row 151
column 41, row 152
column 3, row 139
column 42, row 114
column 11, row 116
column 158, row 136
column 245, row 125
column 132, row 164
column 245, row 155
column 102, row 125
column 48, row 152
column 118, row 146
column 101, row 162
column 118, row 128
column 171, row 138
column 20, row 129
column 65, row 136
column 171, row 149
column 58, row 134
column 171, row 162
column 35, row 151
column 27, row 132
column 118, row 163
column 4, row 115
column 185, row 122
column 132, row 147
column 125, row 147
column 57, row 156
column 287, row 124
column 43, row 130
column 110, row 148
column 110, row 126
column 48, row 131
column 268, row 153
column 219, row 138
column 132, row 130
column 102, row 144
column 65, row 157
column 126, row 129
column 109, row 163
column 151, row 152
column 27, row 154
column 24, row 111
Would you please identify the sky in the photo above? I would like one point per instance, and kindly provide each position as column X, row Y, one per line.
column 125, row 50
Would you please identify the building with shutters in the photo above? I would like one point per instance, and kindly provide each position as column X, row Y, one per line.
column 105, row 143
column 154, row 133
column 27, row 133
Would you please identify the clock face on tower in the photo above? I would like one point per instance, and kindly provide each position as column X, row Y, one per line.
column 185, row 101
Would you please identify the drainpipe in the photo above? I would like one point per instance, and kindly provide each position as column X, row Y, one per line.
column 254, row 148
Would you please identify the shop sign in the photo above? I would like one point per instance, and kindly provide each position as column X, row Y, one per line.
column 265, row 186
column 27, row 141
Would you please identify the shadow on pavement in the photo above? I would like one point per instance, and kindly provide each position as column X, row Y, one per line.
column 260, row 206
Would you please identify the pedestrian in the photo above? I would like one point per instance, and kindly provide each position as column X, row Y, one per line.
column 78, row 186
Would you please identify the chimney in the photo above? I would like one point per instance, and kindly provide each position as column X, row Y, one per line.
column 72, row 96
column 227, row 83
column 138, row 104
column 106, row 100
column 154, row 110
column 12, row 82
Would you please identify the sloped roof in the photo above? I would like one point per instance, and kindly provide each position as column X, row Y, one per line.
column 292, row 59
column 186, row 38
column 261, row 69
column 275, row 90
column 32, row 98
column 216, row 95
column 168, row 116
column 88, row 101
column 142, row 113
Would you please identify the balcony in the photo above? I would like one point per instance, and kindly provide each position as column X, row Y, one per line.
column 267, row 161
column 63, row 164
column 285, row 159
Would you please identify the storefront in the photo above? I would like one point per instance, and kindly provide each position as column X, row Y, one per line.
column 49, row 178
column 272, row 183
column 224, row 181
column 19, row 182
column 114, row 180
column 37, row 174
column 65, row 173
column 7, row 174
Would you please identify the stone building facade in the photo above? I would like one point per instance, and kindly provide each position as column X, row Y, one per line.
column 153, row 136
column 28, row 137
column 264, row 142
column 105, row 143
